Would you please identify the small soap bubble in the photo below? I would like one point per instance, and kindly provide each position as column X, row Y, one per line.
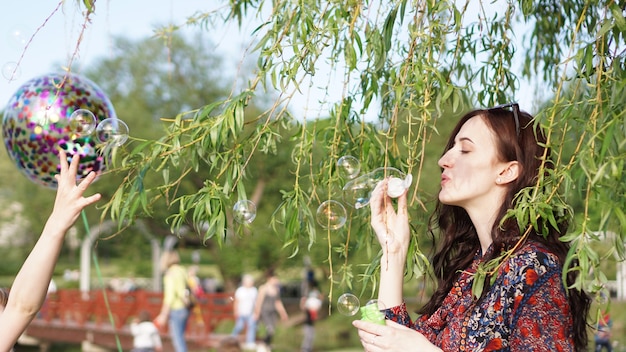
column 11, row 71
column 331, row 215
column 244, row 211
column 357, row 192
column 397, row 186
column 348, row 166
column 82, row 122
column 113, row 131
column 18, row 37
column 379, row 304
column 348, row 304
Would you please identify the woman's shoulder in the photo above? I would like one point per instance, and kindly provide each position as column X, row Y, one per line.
column 532, row 256
column 531, row 269
column 176, row 271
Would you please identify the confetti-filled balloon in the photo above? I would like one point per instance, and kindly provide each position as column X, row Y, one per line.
column 36, row 125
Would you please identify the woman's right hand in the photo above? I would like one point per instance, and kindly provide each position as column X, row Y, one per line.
column 391, row 337
column 391, row 226
column 69, row 201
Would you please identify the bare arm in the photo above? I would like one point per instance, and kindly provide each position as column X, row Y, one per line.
column 392, row 231
column 280, row 308
column 161, row 319
column 259, row 302
column 31, row 283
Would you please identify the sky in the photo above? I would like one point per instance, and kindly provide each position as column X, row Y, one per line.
column 55, row 34
column 51, row 33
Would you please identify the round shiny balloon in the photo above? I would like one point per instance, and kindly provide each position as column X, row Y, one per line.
column 36, row 124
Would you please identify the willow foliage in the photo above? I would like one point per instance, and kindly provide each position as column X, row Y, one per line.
column 410, row 64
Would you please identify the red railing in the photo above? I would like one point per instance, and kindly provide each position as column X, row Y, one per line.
column 72, row 310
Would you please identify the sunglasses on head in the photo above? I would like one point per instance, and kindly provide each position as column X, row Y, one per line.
column 515, row 108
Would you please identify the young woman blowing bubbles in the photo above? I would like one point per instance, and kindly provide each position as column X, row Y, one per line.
column 491, row 155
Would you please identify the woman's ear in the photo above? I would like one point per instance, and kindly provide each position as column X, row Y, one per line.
column 509, row 173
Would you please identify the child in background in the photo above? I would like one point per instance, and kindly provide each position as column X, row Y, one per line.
column 243, row 307
column 146, row 336
column 311, row 305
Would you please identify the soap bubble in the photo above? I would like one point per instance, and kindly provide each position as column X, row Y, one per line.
column 348, row 166
column 244, row 211
column 18, row 37
column 82, row 122
column 11, row 71
column 357, row 192
column 112, row 131
column 379, row 304
column 331, row 215
column 348, row 304
column 397, row 186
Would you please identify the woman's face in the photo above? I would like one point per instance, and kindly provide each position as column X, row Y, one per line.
column 471, row 168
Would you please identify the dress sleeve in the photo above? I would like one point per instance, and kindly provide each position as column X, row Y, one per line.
column 400, row 315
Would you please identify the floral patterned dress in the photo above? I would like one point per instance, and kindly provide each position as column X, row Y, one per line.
column 525, row 310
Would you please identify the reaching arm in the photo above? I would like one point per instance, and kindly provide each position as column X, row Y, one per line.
column 392, row 231
column 31, row 283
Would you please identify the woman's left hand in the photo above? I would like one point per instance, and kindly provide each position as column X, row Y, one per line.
column 391, row 226
column 391, row 337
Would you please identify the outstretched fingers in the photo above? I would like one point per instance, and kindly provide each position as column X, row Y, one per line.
column 69, row 192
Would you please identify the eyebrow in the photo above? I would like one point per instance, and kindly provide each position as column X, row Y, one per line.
column 462, row 139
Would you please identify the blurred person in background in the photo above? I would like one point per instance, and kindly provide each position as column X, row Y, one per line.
column 269, row 307
column 243, row 307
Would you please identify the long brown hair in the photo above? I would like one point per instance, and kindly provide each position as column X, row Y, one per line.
column 459, row 240
column 4, row 297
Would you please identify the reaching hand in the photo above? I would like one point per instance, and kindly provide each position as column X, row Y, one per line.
column 391, row 227
column 69, row 200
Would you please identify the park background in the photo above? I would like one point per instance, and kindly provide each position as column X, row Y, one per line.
column 122, row 54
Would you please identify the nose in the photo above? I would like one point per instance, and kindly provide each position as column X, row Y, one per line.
column 445, row 161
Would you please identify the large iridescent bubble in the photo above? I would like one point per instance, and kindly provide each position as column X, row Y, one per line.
column 36, row 125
